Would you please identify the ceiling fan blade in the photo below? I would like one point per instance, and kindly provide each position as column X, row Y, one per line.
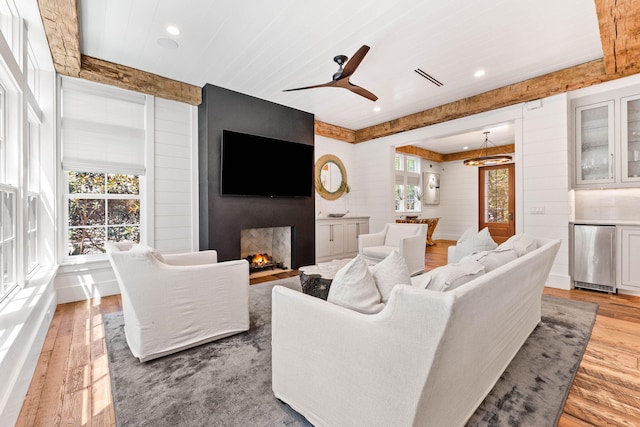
column 362, row 92
column 356, row 59
column 310, row 87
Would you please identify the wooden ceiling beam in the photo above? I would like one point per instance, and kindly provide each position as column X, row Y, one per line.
column 334, row 132
column 461, row 155
column 565, row 80
column 101, row 71
column 489, row 151
column 619, row 22
column 421, row 152
column 60, row 21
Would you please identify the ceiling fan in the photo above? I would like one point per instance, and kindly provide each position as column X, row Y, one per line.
column 341, row 77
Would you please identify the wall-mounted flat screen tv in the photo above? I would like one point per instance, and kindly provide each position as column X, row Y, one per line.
column 252, row 165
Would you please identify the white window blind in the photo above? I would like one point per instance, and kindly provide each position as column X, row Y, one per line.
column 103, row 129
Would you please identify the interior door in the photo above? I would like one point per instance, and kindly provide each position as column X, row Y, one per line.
column 497, row 201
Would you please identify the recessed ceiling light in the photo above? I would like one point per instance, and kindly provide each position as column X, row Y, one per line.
column 167, row 43
column 173, row 30
column 465, row 148
column 479, row 73
column 376, row 109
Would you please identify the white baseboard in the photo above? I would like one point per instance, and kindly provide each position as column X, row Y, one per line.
column 85, row 292
column 559, row 281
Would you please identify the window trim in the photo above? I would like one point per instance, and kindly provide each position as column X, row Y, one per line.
column 66, row 197
column 406, row 176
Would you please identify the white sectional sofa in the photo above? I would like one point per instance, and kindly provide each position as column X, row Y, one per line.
column 428, row 358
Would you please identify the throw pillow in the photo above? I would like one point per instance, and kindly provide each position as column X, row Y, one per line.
column 353, row 287
column 389, row 272
column 471, row 242
column 143, row 249
column 493, row 259
column 451, row 276
column 521, row 243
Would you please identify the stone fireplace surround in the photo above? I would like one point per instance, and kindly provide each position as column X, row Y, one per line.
column 275, row 241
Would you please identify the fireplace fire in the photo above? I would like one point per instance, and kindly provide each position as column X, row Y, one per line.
column 258, row 262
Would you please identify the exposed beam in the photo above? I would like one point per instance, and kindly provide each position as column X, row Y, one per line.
column 619, row 22
column 565, row 80
column 461, row 155
column 489, row 151
column 107, row 72
column 333, row 131
column 421, row 152
column 60, row 21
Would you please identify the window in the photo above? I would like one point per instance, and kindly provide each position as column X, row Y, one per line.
column 8, row 245
column 100, row 207
column 407, row 188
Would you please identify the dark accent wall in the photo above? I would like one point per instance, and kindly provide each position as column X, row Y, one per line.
column 222, row 217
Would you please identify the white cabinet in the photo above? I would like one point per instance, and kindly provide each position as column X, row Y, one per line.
column 606, row 133
column 630, row 139
column 337, row 238
column 630, row 254
column 595, row 150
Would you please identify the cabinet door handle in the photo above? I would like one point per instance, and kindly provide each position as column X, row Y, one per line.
column 611, row 167
column 331, row 233
column 612, row 275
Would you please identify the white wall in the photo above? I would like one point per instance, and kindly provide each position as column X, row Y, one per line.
column 175, row 225
column 544, row 166
column 458, row 209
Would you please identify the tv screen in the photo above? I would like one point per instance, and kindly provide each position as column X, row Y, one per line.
column 252, row 165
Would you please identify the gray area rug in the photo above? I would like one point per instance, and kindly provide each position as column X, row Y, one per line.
column 228, row 382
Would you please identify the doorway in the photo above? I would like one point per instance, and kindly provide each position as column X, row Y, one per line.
column 497, row 201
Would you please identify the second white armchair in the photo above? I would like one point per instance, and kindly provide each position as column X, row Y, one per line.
column 409, row 239
column 173, row 302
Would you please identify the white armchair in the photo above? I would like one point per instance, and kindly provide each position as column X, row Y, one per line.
column 409, row 239
column 174, row 302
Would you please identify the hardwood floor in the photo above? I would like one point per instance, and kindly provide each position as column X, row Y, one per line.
column 71, row 384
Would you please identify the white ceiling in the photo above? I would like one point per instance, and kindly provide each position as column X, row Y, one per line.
column 262, row 47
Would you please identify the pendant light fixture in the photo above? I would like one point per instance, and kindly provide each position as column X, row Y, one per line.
column 483, row 159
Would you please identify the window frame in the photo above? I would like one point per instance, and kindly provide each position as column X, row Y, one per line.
column 65, row 229
column 9, row 285
column 403, row 177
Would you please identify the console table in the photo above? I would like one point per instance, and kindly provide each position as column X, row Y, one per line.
column 431, row 226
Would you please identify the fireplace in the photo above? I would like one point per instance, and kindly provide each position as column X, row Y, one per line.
column 266, row 249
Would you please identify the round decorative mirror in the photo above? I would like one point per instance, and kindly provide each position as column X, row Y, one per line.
column 330, row 177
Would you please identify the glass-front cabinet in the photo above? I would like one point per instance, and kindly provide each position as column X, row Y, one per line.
column 630, row 138
column 595, row 144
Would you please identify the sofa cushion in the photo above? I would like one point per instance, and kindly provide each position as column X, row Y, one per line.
column 451, row 276
column 471, row 242
column 389, row 272
column 353, row 287
column 395, row 233
column 521, row 243
column 493, row 259
column 421, row 280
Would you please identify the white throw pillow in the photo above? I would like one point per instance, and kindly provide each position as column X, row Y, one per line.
column 493, row 259
column 353, row 287
column 389, row 272
column 143, row 249
column 521, row 243
column 471, row 242
column 451, row 276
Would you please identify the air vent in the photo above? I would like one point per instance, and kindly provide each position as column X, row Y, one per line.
column 595, row 287
column 428, row 77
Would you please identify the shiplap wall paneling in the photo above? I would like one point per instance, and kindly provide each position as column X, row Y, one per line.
column 173, row 158
column 545, row 179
